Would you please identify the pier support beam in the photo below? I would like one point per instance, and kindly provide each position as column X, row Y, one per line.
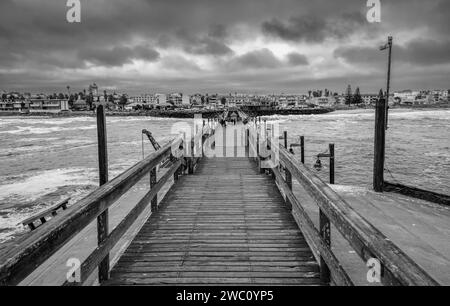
column 379, row 145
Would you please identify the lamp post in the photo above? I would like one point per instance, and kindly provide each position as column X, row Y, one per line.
column 388, row 46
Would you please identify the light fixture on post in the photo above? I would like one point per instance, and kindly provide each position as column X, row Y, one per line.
column 388, row 45
column 330, row 154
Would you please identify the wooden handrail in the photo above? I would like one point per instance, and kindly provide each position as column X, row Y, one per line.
column 308, row 229
column 94, row 259
column 52, row 210
column 367, row 241
column 22, row 258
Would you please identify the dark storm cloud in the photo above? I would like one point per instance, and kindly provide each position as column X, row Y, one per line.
column 297, row 59
column 36, row 39
column 418, row 52
column 310, row 28
column 204, row 45
column 118, row 56
column 258, row 59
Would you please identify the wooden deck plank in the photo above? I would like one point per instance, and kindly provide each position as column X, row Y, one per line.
column 227, row 225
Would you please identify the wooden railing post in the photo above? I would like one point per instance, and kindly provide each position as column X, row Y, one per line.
column 331, row 163
column 285, row 140
column 325, row 234
column 302, row 149
column 154, row 201
column 102, row 219
column 191, row 157
column 325, row 226
column 176, row 174
column 288, row 178
column 287, row 173
column 247, row 137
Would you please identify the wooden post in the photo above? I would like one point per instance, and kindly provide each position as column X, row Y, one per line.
column 154, row 201
column 247, row 137
column 102, row 219
column 324, row 228
column 176, row 174
column 191, row 157
column 302, row 149
column 288, row 178
column 386, row 106
column 257, row 143
column 331, row 163
column 379, row 145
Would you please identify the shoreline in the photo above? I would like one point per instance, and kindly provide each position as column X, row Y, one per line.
column 209, row 113
column 166, row 113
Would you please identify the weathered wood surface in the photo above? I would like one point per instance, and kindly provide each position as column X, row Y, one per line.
column 52, row 210
column 226, row 224
column 23, row 257
column 419, row 228
column 365, row 239
column 417, row 193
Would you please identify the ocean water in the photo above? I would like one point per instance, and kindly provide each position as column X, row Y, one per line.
column 43, row 160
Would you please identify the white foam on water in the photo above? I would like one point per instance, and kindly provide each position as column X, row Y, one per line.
column 45, row 120
column 27, row 130
column 43, row 182
column 36, row 139
column 419, row 114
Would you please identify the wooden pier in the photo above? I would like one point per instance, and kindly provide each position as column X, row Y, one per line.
column 226, row 224
column 226, row 220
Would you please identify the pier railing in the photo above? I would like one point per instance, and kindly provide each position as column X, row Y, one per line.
column 21, row 259
column 368, row 242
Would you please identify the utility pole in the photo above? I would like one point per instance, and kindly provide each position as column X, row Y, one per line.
column 388, row 46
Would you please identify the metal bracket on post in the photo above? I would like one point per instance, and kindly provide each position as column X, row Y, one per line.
column 301, row 144
column 330, row 154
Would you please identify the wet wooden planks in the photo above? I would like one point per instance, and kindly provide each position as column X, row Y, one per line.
column 226, row 224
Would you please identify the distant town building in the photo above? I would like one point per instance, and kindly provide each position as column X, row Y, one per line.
column 48, row 105
column 93, row 89
column 369, row 99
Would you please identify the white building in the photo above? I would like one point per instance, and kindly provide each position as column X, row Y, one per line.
column 186, row 100
column 322, row 101
column 369, row 98
column 406, row 96
column 160, row 99
column 48, row 106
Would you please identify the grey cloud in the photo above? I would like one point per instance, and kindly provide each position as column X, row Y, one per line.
column 426, row 52
column 258, row 59
column 315, row 29
column 308, row 28
column 417, row 52
column 117, row 56
column 218, row 31
column 179, row 63
column 211, row 44
column 297, row 59
column 35, row 37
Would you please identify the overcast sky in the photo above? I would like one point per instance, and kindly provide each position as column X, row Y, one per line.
column 260, row 46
